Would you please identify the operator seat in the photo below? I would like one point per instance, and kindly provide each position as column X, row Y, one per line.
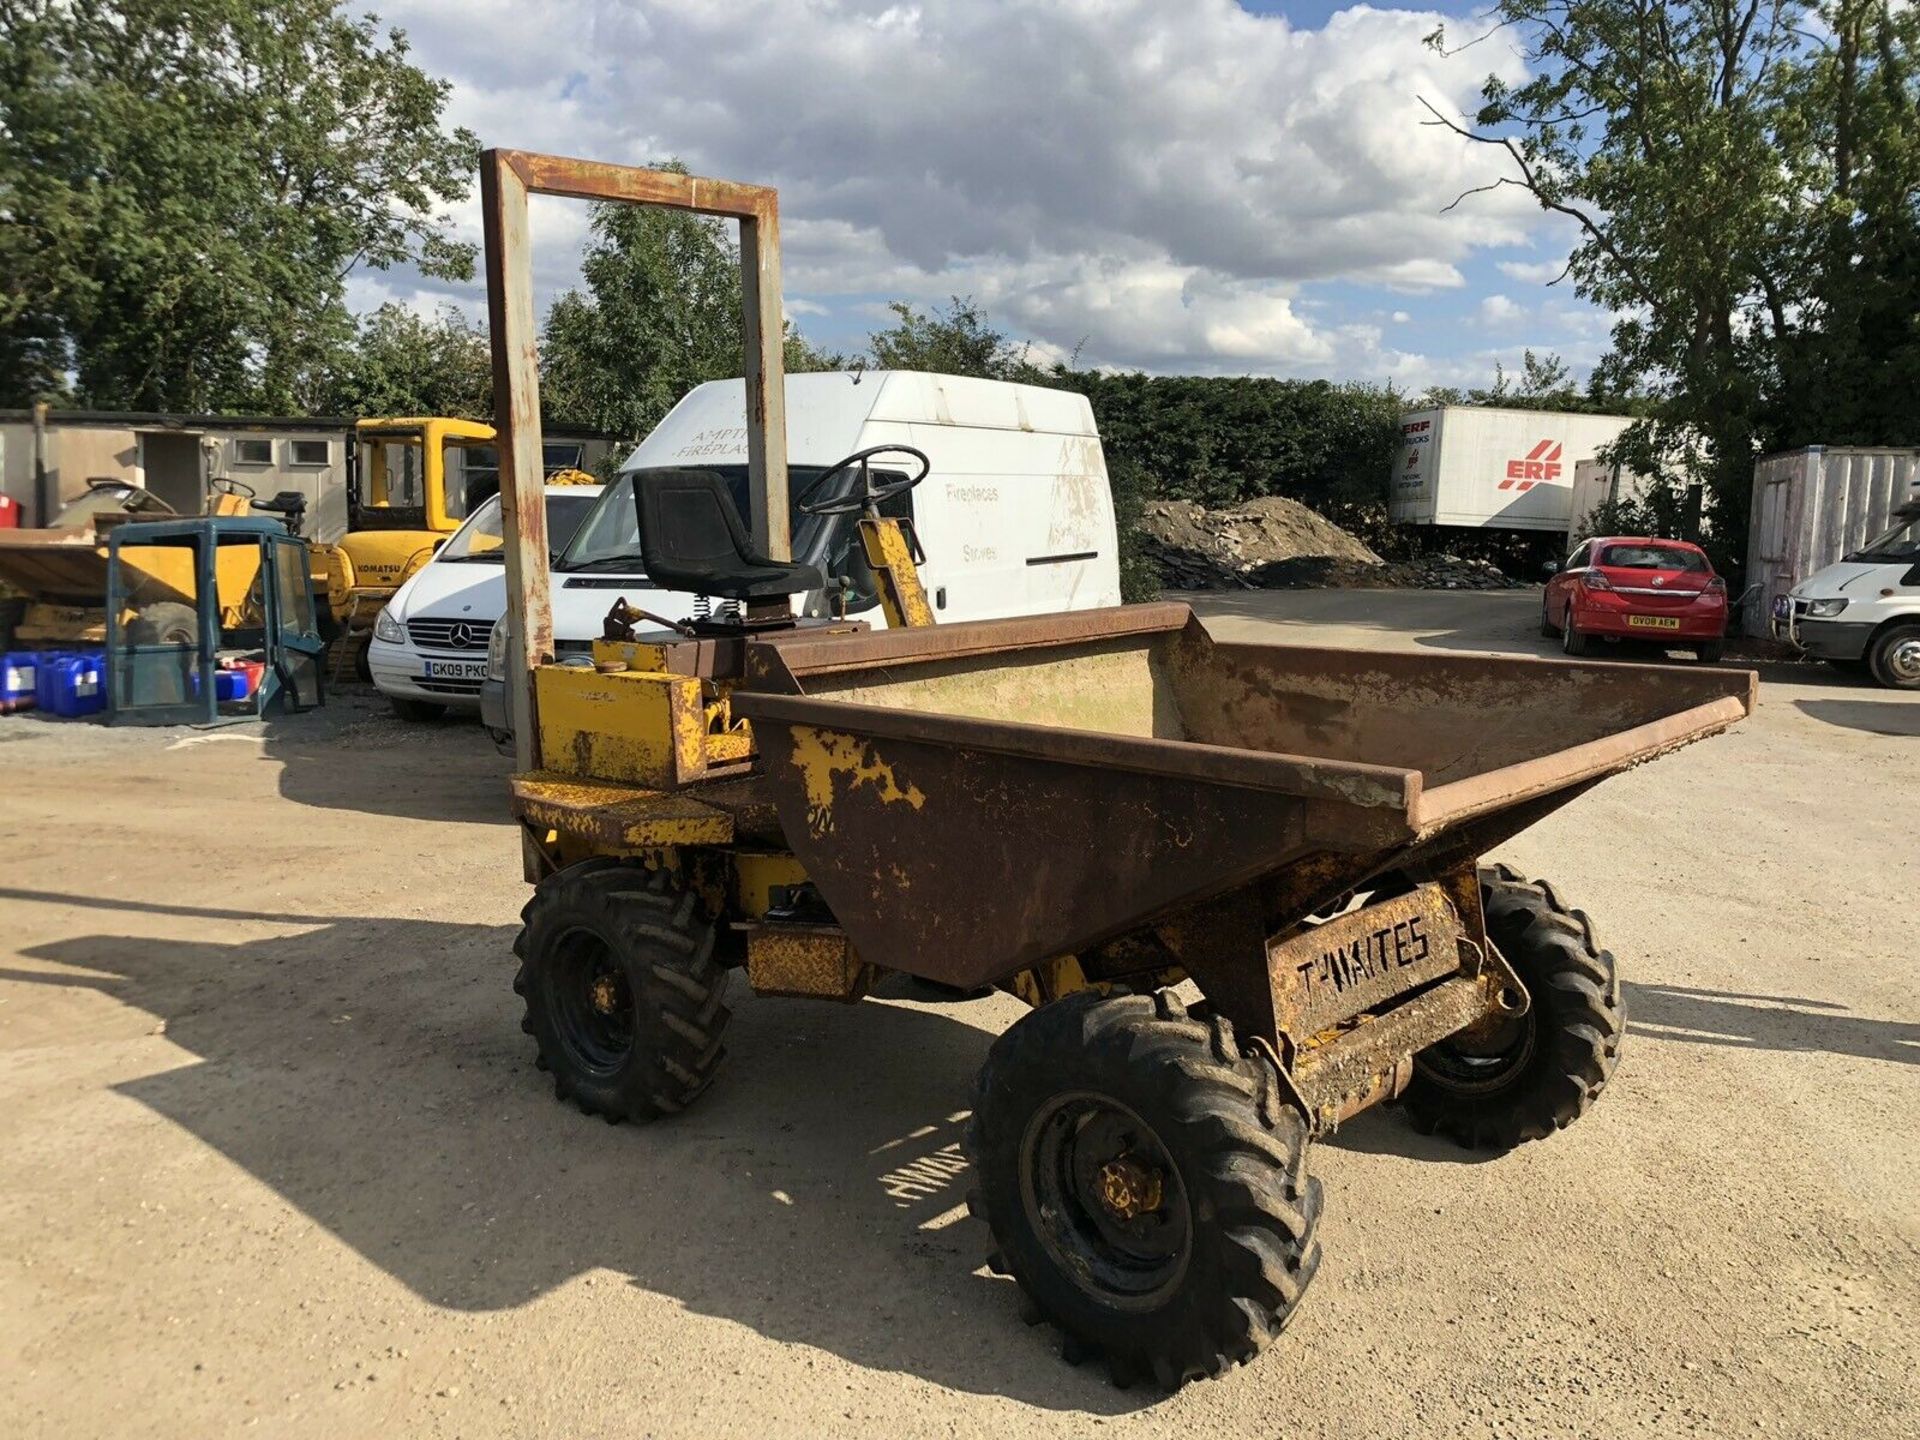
column 691, row 538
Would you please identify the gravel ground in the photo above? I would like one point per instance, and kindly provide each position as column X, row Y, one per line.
column 277, row 1159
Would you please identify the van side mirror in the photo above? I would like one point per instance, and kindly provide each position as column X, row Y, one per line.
column 1550, row 569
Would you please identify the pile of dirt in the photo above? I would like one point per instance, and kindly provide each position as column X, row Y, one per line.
column 1275, row 543
column 1201, row 549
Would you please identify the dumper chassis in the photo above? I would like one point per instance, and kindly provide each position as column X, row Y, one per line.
column 1100, row 813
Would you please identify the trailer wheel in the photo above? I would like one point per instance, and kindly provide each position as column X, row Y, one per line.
column 1145, row 1183
column 1894, row 657
column 622, row 992
column 1512, row 1080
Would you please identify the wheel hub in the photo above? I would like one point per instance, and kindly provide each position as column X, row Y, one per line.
column 1130, row 1189
column 605, row 995
column 1904, row 660
column 1106, row 1199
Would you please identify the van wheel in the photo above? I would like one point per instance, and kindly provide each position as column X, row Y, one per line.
column 1894, row 657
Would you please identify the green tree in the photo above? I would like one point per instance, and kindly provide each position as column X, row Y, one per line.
column 405, row 363
column 1741, row 176
column 955, row 340
column 660, row 313
column 185, row 186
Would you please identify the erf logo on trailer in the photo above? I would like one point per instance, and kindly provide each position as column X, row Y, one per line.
column 1542, row 463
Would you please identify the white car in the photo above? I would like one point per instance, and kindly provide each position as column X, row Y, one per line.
column 429, row 645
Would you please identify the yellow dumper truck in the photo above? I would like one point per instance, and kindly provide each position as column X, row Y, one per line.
column 1084, row 810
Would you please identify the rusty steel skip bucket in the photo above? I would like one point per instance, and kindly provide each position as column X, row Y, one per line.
column 975, row 798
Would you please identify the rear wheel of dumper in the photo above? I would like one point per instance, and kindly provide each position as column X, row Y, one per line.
column 1509, row 1080
column 623, row 994
column 1145, row 1183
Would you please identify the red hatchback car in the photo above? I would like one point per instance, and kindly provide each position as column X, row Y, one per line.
column 1630, row 587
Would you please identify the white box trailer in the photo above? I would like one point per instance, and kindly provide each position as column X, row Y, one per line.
column 1494, row 469
column 1813, row 506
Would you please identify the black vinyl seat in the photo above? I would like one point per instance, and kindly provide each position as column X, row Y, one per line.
column 692, row 538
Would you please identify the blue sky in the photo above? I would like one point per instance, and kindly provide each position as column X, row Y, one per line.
column 1196, row 187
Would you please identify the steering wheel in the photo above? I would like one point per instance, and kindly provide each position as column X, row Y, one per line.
column 869, row 496
column 226, row 485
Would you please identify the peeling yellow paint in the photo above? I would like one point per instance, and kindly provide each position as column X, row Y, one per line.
column 821, row 756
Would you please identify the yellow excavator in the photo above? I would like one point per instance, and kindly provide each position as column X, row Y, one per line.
column 416, row 479
column 399, row 509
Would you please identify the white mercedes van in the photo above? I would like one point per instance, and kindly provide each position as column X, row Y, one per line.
column 1015, row 515
column 1863, row 611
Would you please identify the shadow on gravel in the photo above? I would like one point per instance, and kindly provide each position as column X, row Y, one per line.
column 1384, row 1130
column 356, row 754
column 1875, row 717
column 373, row 1073
column 1765, row 1022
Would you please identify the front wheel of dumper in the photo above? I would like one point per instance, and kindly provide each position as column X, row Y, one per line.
column 623, row 995
column 1508, row 1080
column 1145, row 1184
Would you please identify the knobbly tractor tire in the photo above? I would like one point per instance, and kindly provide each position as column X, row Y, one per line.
column 622, row 992
column 165, row 622
column 1145, row 1184
column 1494, row 1086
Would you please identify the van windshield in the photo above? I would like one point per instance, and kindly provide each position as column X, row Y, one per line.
column 609, row 539
column 480, row 539
column 1901, row 543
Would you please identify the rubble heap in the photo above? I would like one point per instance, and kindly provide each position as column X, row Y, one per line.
column 1275, row 543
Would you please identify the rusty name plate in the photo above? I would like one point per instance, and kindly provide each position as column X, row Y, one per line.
column 1336, row 970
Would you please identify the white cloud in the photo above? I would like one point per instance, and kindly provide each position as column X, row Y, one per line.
column 1533, row 273
column 1401, row 317
column 1500, row 310
column 1160, row 181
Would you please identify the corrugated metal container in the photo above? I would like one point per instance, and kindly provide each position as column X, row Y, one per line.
column 1812, row 506
column 1494, row 469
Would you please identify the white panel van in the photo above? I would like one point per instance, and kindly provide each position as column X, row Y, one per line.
column 1015, row 515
